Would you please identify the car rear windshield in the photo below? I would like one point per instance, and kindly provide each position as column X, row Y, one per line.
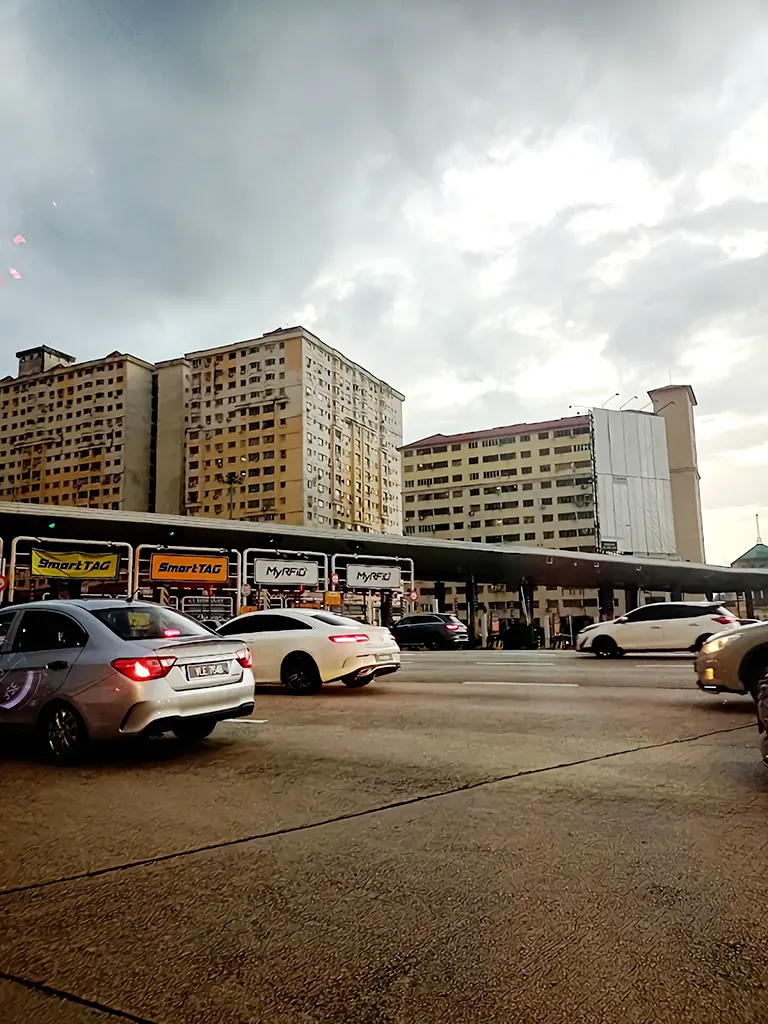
column 335, row 620
column 148, row 622
column 451, row 618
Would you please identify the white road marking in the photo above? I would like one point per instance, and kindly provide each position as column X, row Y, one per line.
column 247, row 721
column 509, row 682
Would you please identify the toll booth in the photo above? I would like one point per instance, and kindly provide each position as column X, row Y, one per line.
column 202, row 582
column 42, row 568
column 279, row 578
column 373, row 588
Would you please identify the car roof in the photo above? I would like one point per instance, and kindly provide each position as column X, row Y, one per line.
column 85, row 603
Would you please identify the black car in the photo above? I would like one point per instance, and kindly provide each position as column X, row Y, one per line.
column 437, row 631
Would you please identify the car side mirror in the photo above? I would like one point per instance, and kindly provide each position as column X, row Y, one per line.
column 622, row 618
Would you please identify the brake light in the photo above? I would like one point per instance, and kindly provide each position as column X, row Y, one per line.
column 453, row 626
column 171, row 632
column 140, row 670
column 245, row 658
column 724, row 620
column 349, row 638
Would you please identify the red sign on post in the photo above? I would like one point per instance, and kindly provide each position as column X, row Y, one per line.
column 414, row 595
column 3, row 583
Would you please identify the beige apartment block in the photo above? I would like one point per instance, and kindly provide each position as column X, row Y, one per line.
column 76, row 433
column 284, row 427
column 529, row 483
column 675, row 404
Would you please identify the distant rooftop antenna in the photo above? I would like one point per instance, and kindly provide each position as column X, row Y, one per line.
column 757, row 525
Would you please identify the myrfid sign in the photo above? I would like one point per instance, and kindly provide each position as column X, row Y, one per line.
column 281, row 573
column 373, row 577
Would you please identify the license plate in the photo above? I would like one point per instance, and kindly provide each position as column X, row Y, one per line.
column 218, row 668
column 384, row 657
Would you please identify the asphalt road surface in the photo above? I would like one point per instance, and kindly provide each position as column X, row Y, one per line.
column 505, row 837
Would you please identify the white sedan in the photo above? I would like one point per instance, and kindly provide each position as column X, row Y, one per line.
column 303, row 648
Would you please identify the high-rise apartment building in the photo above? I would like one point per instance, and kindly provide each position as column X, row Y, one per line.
column 76, row 433
column 598, row 482
column 528, row 483
column 283, row 427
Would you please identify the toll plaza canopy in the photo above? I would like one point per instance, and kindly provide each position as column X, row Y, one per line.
column 449, row 561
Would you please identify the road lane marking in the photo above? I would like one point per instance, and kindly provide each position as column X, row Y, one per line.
column 247, row 721
column 509, row 682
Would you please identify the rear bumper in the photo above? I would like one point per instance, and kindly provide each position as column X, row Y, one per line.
column 233, row 701
column 368, row 663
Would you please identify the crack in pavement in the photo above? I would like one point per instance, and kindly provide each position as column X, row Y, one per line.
column 69, row 997
column 352, row 815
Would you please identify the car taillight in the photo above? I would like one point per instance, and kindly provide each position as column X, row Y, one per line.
column 171, row 632
column 140, row 670
column 349, row 638
column 453, row 626
column 724, row 620
column 244, row 658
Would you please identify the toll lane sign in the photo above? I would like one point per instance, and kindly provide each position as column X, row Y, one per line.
column 373, row 577
column 189, row 569
column 284, row 573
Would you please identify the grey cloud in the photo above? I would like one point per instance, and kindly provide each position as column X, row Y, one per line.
column 211, row 162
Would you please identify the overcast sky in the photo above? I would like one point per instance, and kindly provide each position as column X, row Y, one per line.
column 502, row 207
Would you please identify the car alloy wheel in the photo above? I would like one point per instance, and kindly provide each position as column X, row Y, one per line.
column 300, row 676
column 64, row 733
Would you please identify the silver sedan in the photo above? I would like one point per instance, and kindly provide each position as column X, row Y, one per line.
column 85, row 670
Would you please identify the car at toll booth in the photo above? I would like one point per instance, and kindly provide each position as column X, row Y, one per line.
column 660, row 626
column 81, row 670
column 437, row 631
column 305, row 648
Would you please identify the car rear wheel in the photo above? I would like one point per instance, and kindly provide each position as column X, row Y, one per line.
column 434, row 643
column 300, row 676
column 63, row 733
column 193, row 731
column 357, row 682
column 700, row 642
column 605, row 647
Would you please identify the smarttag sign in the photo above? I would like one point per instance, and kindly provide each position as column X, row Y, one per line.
column 373, row 577
column 281, row 573
column 75, row 565
column 188, row 569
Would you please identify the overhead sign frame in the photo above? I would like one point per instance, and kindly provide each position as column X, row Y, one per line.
column 205, row 567
column 315, row 564
column 21, row 558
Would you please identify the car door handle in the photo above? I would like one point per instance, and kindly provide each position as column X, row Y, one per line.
column 57, row 666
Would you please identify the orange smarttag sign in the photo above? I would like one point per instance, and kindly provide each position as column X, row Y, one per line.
column 195, row 569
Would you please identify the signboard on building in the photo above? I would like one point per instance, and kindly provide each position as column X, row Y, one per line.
column 373, row 577
column 188, row 569
column 75, row 565
column 633, row 489
column 283, row 573
column 218, row 608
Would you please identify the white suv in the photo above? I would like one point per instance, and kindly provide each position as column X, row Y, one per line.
column 666, row 626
